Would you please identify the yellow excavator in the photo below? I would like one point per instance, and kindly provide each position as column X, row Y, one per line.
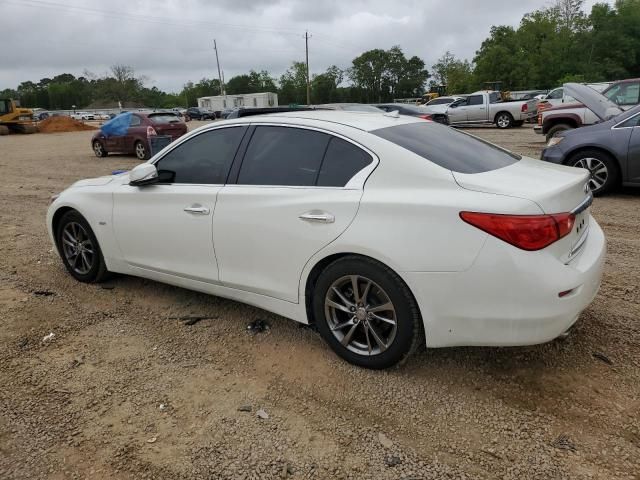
column 15, row 119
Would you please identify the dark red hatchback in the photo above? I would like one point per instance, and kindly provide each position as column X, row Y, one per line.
column 136, row 140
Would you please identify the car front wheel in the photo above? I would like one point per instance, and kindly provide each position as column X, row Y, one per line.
column 603, row 170
column 98, row 149
column 79, row 248
column 366, row 313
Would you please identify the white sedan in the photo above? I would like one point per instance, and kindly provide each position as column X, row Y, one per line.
column 384, row 231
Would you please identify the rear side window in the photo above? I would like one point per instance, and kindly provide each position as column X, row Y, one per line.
column 283, row 156
column 203, row 159
column 135, row 121
column 341, row 162
column 448, row 148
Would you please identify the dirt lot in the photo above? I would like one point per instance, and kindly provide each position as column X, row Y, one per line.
column 126, row 390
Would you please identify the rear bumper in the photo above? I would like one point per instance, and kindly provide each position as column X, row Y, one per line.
column 508, row 297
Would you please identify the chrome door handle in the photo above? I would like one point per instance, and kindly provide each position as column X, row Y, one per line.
column 197, row 209
column 320, row 217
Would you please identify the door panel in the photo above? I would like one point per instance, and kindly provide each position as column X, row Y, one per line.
column 261, row 242
column 457, row 114
column 633, row 157
column 476, row 112
column 155, row 232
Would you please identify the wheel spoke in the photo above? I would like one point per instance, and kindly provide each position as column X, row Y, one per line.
column 342, row 297
column 69, row 235
column 343, row 324
column 347, row 337
column 337, row 306
column 75, row 260
column 366, row 334
column 383, row 319
column 68, row 242
column 356, row 290
column 376, row 337
column 365, row 294
column 381, row 308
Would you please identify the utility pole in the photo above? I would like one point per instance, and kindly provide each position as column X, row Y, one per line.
column 215, row 47
column 306, row 45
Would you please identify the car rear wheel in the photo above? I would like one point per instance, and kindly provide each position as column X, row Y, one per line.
column 79, row 249
column 366, row 313
column 141, row 151
column 603, row 170
column 504, row 120
column 98, row 149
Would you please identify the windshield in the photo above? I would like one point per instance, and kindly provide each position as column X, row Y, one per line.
column 163, row 118
column 448, row 148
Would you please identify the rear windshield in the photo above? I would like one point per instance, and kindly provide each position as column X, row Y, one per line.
column 164, row 118
column 447, row 147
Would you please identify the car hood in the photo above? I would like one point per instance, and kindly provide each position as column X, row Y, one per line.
column 93, row 182
column 594, row 101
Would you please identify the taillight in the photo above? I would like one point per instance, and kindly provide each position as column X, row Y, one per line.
column 151, row 132
column 528, row 232
column 524, row 108
column 425, row 117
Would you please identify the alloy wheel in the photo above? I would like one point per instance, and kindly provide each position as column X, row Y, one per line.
column 97, row 148
column 140, row 151
column 503, row 121
column 360, row 315
column 598, row 172
column 79, row 251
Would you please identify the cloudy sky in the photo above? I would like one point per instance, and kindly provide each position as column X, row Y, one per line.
column 171, row 41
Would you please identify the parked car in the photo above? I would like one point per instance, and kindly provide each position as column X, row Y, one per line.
column 381, row 230
column 487, row 107
column 196, row 113
column 609, row 150
column 102, row 116
column 404, row 109
column 349, row 107
column 136, row 140
column 41, row 115
column 565, row 116
column 82, row 116
column 250, row 111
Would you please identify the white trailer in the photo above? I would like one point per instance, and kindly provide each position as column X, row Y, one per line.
column 221, row 102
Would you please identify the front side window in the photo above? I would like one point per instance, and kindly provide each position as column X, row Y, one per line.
column 203, row 159
column 283, row 156
column 555, row 94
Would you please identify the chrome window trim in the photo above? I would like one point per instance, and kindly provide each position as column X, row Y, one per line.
column 617, row 127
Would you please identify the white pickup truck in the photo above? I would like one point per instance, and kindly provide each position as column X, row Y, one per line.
column 487, row 107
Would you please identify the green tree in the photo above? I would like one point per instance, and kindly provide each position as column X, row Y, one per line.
column 293, row 85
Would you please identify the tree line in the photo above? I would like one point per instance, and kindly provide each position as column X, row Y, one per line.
column 550, row 46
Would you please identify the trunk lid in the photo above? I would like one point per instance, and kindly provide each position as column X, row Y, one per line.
column 554, row 188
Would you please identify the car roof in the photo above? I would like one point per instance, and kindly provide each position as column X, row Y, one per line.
column 365, row 121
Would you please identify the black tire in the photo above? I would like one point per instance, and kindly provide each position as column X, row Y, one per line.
column 96, row 269
column 99, row 150
column 403, row 337
column 504, row 120
column 560, row 127
column 141, row 151
column 595, row 161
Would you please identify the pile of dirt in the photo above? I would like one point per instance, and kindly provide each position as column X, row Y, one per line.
column 62, row 124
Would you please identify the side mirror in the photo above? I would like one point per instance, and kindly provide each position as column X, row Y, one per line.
column 143, row 174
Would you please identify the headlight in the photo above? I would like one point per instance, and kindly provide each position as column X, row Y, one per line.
column 554, row 141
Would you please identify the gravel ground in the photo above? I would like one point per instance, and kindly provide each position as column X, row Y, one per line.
column 125, row 389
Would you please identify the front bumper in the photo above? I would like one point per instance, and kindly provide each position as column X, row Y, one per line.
column 508, row 297
column 537, row 129
column 553, row 154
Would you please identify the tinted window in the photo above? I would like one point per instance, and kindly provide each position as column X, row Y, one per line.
column 494, row 97
column 440, row 101
column 135, row 121
column 341, row 162
column 204, row 159
column 449, row 148
column 632, row 122
column 283, row 156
